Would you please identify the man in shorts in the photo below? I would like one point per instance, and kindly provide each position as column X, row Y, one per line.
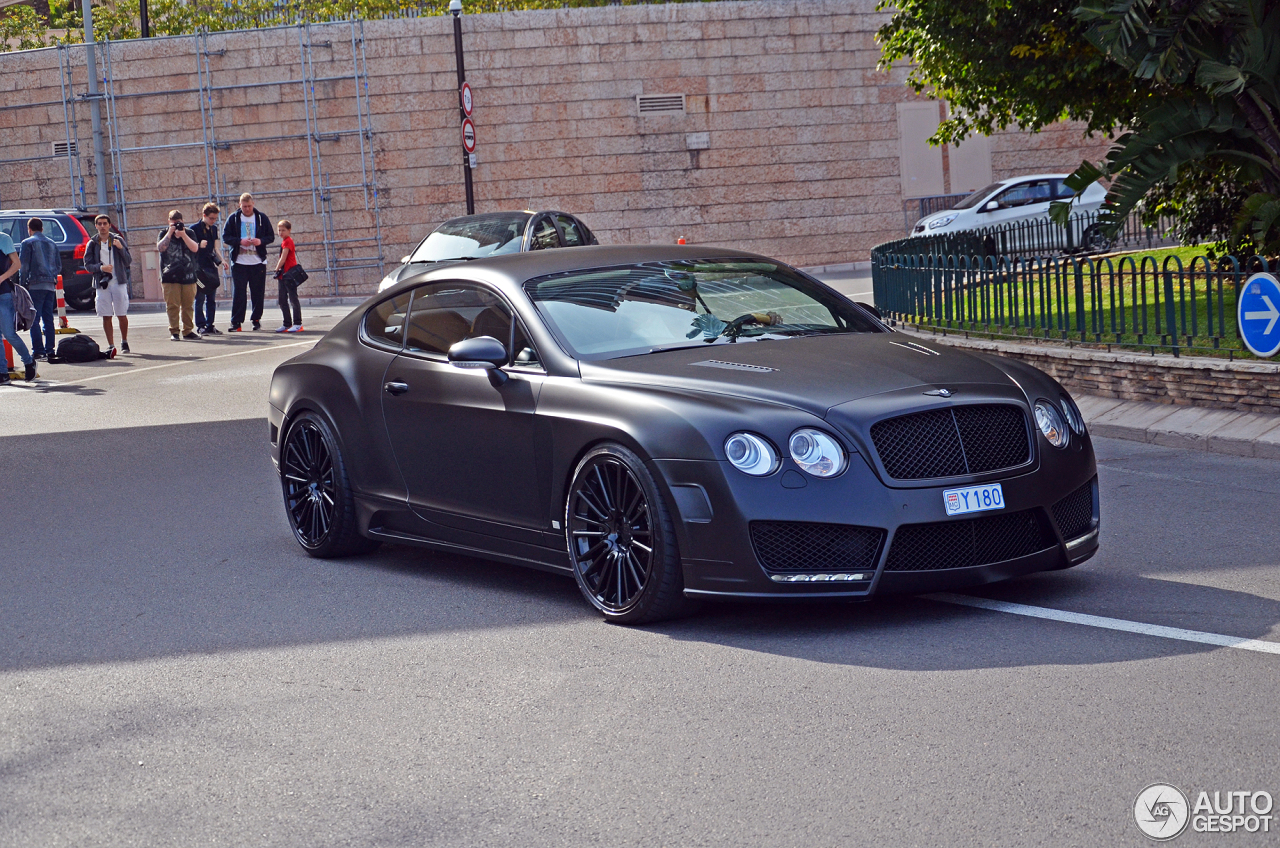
column 107, row 258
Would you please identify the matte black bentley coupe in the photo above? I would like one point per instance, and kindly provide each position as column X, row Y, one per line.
column 672, row 423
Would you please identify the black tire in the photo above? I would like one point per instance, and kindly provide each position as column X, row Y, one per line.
column 317, row 492
column 1093, row 240
column 621, row 540
column 85, row 303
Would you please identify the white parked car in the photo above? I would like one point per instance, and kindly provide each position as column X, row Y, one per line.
column 1009, row 201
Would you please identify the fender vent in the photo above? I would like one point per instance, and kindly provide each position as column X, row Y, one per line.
column 660, row 104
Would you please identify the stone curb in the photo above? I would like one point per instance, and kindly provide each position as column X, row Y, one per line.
column 1190, row 428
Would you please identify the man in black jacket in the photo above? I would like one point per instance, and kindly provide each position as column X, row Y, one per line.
column 247, row 233
column 106, row 256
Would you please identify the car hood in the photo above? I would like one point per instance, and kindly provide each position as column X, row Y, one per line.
column 814, row 373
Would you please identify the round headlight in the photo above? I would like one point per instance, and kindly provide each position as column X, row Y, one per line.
column 1072, row 412
column 817, row 453
column 751, row 454
column 1050, row 423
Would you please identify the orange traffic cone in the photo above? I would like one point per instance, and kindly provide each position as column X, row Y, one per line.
column 63, row 329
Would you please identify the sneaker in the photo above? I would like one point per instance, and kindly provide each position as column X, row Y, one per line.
column 257, row 325
column 234, row 328
column 51, row 358
column 173, row 336
column 124, row 346
column 296, row 328
column 111, row 354
column 212, row 331
column 191, row 337
column 30, row 373
column 284, row 329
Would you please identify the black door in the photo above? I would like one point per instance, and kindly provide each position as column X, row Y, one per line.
column 465, row 447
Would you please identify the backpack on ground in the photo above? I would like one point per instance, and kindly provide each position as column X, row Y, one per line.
column 80, row 348
column 24, row 310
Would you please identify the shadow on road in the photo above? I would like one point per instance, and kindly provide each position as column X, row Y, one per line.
column 148, row 542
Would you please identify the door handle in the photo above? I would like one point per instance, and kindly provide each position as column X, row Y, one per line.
column 395, row 387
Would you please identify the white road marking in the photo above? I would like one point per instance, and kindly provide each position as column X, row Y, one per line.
column 187, row 362
column 1111, row 623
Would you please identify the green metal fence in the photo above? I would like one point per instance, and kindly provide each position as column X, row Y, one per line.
column 1138, row 303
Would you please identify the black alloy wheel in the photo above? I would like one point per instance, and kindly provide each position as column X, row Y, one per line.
column 317, row 494
column 620, row 538
column 1095, row 241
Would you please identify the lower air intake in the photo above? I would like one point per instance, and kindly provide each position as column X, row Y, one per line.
column 969, row 542
column 786, row 546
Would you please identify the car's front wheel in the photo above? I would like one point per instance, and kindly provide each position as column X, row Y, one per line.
column 621, row 539
column 317, row 492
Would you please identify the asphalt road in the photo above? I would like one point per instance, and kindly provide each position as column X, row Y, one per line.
column 175, row 672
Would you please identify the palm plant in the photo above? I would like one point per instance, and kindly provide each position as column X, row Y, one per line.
column 1215, row 65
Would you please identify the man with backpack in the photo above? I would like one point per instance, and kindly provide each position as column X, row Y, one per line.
column 178, row 276
column 10, row 265
column 41, row 264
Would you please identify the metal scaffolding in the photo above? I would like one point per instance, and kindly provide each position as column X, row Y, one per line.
column 321, row 131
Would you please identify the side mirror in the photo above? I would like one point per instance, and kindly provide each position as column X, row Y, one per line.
column 870, row 308
column 991, row 206
column 481, row 352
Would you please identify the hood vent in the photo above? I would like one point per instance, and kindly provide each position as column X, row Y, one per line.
column 732, row 366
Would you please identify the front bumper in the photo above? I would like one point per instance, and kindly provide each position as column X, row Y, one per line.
column 716, row 507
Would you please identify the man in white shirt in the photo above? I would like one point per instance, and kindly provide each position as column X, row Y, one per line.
column 247, row 233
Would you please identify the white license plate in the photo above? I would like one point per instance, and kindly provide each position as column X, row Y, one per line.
column 973, row 499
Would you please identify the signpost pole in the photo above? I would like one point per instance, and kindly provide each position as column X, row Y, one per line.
column 455, row 6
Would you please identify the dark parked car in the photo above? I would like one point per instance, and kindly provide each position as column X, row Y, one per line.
column 666, row 423
column 491, row 234
column 71, row 231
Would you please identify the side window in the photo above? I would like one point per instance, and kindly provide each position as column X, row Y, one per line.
column 384, row 323
column 1024, row 193
column 544, row 235
column 570, row 232
column 53, row 229
column 444, row 314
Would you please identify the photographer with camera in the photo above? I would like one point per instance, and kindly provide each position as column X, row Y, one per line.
column 178, row 276
column 107, row 258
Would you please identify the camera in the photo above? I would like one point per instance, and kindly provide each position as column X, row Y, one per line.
column 104, row 280
column 179, row 226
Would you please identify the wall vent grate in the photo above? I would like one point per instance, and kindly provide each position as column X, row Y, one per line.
column 660, row 104
column 64, row 148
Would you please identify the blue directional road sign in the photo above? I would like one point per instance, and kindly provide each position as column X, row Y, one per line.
column 1258, row 312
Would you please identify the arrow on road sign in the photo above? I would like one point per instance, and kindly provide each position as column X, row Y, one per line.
column 1272, row 313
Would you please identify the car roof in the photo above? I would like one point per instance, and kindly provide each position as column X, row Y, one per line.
column 514, row 269
column 1025, row 177
column 71, row 212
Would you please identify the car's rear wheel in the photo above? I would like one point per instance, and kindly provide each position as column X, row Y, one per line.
column 621, row 540
column 317, row 492
column 1094, row 240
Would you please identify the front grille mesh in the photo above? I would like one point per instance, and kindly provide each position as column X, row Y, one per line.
column 1074, row 513
column 966, row 543
column 953, row 442
column 790, row 546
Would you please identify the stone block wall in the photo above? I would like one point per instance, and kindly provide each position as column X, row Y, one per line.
column 788, row 144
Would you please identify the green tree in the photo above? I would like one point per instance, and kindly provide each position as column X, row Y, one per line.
column 1002, row 63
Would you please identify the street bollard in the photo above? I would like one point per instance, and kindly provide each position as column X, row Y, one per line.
column 63, row 329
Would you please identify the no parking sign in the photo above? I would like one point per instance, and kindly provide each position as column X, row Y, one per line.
column 1258, row 314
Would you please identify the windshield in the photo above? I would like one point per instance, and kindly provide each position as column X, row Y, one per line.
column 474, row 236
column 977, row 197
column 622, row 311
